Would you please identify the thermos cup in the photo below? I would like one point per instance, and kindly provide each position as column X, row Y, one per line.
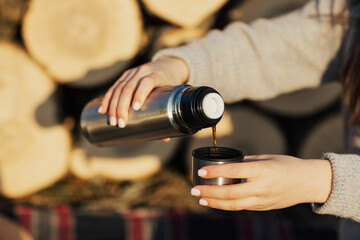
column 206, row 156
column 168, row 112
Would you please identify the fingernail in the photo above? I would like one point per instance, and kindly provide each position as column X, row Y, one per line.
column 121, row 123
column 100, row 109
column 136, row 106
column 202, row 172
column 113, row 121
column 203, row 202
column 195, row 192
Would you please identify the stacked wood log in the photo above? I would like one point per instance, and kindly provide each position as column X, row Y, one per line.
column 84, row 46
column 175, row 36
column 303, row 102
column 32, row 156
column 78, row 44
column 184, row 13
column 11, row 13
column 119, row 163
column 326, row 136
column 78, row 48
column 79, row 41
column 249, row 11
column 88, row 43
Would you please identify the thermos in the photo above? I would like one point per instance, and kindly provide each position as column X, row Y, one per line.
column 170, row 111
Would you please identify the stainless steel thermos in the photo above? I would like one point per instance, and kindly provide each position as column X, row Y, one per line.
column 168, row 112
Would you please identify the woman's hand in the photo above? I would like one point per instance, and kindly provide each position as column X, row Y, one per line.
column 273, row 182
column 133, row 87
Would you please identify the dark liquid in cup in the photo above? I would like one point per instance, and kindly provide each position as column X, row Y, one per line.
column 214, row 138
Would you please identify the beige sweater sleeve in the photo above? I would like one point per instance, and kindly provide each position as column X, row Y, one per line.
column 344, row 199
column 266, row 58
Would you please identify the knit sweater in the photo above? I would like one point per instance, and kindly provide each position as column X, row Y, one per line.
column 271, row 57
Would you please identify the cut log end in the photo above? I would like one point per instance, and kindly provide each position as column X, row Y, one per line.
column 32, row 157
column 33, row 162
column 120, row 163
column 71, row 39
column 114, row 168
column 184, row 13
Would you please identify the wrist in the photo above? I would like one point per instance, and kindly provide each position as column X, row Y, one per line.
column 178, row 69
column 319, row 180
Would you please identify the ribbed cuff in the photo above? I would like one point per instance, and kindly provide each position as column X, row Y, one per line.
column 344, row 199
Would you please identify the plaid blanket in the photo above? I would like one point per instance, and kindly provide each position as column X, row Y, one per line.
column 65, row 223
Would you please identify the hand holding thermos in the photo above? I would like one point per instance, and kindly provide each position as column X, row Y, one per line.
column 162, row 106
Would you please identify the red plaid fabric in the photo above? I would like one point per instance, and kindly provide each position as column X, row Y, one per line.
column 65, row 223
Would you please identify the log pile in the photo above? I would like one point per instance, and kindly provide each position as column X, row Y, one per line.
column 32, row 156
column 57, row 55
column 90, row 43
column 50, row 47
column 184, row 13
column 119, row 163
column 71, row 39
column 11, row 13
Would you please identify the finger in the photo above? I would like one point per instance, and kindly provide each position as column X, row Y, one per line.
column 104, row 107
column 226, row 192
column 146, row 85
column 251, row 156
column 114, row 103
column 231, row 170
column 258, row 157
column 122, row 110
column 232, row 205
column 115, row 100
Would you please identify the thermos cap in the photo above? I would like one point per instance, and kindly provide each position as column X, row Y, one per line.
column 213, row 105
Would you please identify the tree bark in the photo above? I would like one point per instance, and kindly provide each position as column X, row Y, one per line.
column 11, row 13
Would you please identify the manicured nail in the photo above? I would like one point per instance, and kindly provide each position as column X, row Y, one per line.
column 195, row 192
column 136, row 106
column 203, row 202
column 202, row 172
column 121, row 123
column 100, row 109
column 113, row 121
